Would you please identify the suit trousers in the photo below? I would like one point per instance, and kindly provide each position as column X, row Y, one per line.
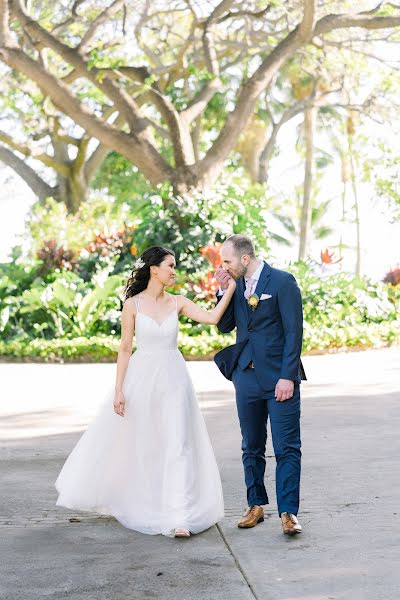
column 254, row 407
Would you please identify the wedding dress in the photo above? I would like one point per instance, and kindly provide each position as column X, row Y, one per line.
column 154, row 469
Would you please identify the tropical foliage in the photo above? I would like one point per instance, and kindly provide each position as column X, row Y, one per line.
column 63, row 315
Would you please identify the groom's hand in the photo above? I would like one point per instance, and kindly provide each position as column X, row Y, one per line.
column 223, row 278
column 284, row 389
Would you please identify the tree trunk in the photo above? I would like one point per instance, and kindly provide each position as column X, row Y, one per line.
column 196, row 138
column 344, row 179
column 356, row 209
column 72, row 189
column 305, row 225
column 73, row 176
column 342, row 220
column 251, row 144
column 266, row 155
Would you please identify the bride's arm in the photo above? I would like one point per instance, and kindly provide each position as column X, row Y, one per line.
column 213, row 316
column 124, row 352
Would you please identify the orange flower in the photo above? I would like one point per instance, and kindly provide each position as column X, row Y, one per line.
column 207, row 286
column 211, row 253
column 327, row 257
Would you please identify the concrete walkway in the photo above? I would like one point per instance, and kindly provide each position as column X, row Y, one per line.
column 349, row 548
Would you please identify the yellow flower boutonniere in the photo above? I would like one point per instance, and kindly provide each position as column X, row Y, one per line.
column 253, row 301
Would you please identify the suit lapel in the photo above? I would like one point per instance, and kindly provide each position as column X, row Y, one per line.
column 242, row 300
column 262, row 282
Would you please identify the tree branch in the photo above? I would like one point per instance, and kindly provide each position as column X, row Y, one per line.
column 307, row 24
column 178, row 128
column 95, row 161
column 238, row 119
column 24, row 149
column 245, row 13
column 208, row 36
column 98, row 155
column 199, row 102
column 109, row 12
column 122, row 101
column 363, row 20
column 268, row 149
column 39, row 187
column 4, row 23
column 80, row 159
column 140, row 152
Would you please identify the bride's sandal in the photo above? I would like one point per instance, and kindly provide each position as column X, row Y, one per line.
column 181, row 532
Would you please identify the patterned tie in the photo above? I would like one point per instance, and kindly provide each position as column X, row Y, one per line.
column 249, row 287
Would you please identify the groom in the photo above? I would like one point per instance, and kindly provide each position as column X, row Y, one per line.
column 266, row 370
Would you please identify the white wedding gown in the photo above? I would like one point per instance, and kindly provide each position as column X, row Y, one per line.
column 153, row 469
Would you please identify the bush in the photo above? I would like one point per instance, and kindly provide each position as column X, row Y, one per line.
column 110, row 249
column 62, row 299
column 64, row 316
column 54, row 257
column 65, row 307
column 96, row 348
column 342, row 310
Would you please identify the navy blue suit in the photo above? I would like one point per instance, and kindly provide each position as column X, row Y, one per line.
column 269, row 337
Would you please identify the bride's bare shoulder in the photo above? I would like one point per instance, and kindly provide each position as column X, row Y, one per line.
column 130, row 305
column 179, row 299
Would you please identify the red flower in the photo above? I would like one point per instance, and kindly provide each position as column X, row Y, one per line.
column 327, row 257
column 211, row 252
column 206, row 287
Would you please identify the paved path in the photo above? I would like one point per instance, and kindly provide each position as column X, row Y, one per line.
column 350, row 510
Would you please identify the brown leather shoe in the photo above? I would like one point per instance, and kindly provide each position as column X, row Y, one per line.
column 252, row 516
column 290, row 524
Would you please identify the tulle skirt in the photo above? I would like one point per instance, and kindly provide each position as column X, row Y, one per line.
column 153, row 469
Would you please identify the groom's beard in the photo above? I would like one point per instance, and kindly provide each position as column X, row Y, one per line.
column 241, row 272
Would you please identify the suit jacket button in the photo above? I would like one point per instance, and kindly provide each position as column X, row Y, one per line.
column 250, row 330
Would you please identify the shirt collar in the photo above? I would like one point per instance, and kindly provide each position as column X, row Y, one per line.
column 257, row 272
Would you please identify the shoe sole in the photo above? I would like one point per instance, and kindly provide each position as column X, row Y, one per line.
column 293, row 532
column 260, row 520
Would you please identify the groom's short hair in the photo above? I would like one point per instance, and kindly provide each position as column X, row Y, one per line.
column 242, row 244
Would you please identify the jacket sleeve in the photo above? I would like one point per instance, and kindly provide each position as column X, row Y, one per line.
column 291, row 310
column 227, row 322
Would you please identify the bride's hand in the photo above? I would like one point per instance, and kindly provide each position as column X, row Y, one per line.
column 231, row 284
column 119, row 404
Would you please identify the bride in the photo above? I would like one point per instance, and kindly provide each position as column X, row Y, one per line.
column 146, row 458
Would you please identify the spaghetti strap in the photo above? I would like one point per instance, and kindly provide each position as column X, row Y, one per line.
column 176, row 302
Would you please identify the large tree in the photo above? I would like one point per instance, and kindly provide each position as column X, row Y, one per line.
column 47, row 150
column 160, row 66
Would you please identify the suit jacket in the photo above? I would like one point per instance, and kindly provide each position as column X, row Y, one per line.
column 271, row 335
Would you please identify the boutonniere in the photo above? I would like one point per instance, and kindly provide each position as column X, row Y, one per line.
column 253, row 301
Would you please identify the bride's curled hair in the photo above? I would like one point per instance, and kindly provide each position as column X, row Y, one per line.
column 140, row 276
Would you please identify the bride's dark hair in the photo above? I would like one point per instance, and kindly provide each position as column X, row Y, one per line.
column 140, row 276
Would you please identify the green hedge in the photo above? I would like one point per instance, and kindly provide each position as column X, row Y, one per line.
column 63, row 317
column 202, row 346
